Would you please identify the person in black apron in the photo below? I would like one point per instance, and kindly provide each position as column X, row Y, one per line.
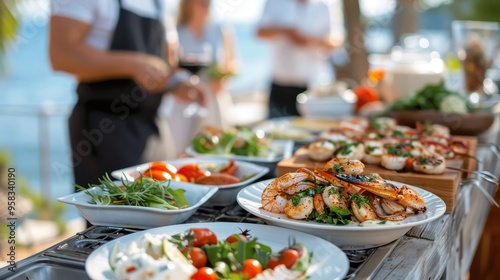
column 114, row 120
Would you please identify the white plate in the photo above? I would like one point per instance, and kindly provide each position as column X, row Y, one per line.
column 226, row 194
column 328, row 261
column 345, row 236
column 281, row 128
column 138, row 216
column 281, row 149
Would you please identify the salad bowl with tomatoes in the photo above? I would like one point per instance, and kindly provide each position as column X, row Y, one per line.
column 229, row 176
column 232, row 251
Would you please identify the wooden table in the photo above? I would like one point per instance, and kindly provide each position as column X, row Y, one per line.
column 445, row 248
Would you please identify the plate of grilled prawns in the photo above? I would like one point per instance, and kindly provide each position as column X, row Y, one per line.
column 340, row 205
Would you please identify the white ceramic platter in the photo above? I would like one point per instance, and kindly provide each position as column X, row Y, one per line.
column 328, row 261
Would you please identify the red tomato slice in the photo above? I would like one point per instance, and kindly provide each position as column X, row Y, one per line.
column 163, row 166
column 192, row 172
column 157, row 174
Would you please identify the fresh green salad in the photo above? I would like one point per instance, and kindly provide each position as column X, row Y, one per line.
column 435, row 97
column 200, row 254
column 241, row 142
column 144, row 191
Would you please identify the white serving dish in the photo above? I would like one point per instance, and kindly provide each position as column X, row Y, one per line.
column 350, row 236
column 138, row 216
column 328, row 261
column 226, row 194
column 332, row 106
column 282, row 129
column 282, row 149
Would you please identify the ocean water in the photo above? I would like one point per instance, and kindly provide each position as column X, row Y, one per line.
column 35, row 103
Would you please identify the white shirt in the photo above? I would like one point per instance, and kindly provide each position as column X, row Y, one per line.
column 294, row 65
column 102, row 15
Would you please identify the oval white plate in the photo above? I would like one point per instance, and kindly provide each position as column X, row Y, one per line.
column 345, row 236
column 328, row 261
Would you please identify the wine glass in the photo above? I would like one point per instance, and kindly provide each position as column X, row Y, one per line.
column 477, row 45
column 194, row 59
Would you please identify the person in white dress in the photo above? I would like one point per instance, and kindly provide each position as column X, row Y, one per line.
column 206, row 49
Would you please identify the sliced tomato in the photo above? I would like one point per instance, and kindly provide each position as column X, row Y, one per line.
column 163, row 166
column 157, row 174
column 180, row 178
column 192, row 172
column 230, row 168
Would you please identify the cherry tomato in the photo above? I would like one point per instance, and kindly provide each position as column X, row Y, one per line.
column 196, row 255
column 236, row 237
column 204, row 273
column 192, row 172
column 289, row 258
column 157, row 174
column 163, row 166
column 203, row 236
column 251, row 268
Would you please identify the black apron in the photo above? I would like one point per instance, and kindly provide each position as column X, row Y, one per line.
column 113, row 119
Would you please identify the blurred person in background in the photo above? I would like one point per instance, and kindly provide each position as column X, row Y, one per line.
column 115, row 49
column 302, row 34
column 207, row 50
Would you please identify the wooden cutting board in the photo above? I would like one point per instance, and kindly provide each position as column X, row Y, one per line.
column 443, row 185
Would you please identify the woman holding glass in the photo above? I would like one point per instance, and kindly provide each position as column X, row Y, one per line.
column 206, row 50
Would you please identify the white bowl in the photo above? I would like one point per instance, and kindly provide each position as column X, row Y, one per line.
column 335, row 106
column 139, row 216
column 226, row 194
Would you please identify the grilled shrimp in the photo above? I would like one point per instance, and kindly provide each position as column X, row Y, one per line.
column 300, row 211
column 274, row 196
column 434, row 164
column 387, row 209
column 345, row 166
column 360, row 206
column 319, row 204
column 403, row 195
column 332, row 197
column 321, row 150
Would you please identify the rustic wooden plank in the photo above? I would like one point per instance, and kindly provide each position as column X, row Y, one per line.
column 415, row 258
column 432, row 231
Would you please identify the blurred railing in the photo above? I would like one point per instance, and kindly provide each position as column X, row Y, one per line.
column 43, row 114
